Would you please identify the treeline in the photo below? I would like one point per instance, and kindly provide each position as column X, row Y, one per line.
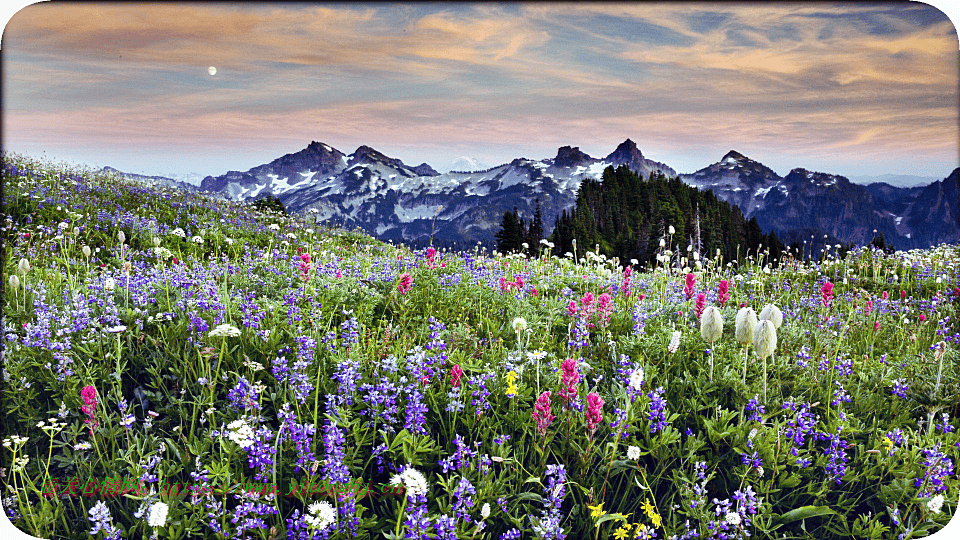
column 627, row 217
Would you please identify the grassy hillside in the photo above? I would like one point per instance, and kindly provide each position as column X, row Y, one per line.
column 177, row 366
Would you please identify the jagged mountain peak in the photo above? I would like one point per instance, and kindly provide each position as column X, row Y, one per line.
column 570, row 156
column 734, row 156
column 626, row 152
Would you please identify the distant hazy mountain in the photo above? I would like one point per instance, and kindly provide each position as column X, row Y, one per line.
column 899, row 180
column 466, row 164
column 392, row 200
column 153, row 180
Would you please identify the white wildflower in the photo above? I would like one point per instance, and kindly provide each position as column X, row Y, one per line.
column 633, row 452
column 197, row 240
column 109, row 284
column 158, row 514
column 321, row 515
column 86, row 251
column 674, row 342
column 240, row 433
column 935, row 503
column 14, row 282
column 414, row 481
column 24, row 266
column 485, row 511
column 224, row 330
column 121, row 237
column 178, row 232
column 671, row 230
column 274, row 227
column 156, row 241
column 636, row 378
column 732, row 518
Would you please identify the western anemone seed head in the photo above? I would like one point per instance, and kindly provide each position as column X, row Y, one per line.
column 711, row 324
column 772, row 313
column 519, row 324
column 765, row 338
column 746, row 325
column 14, row 282
column 86, row 251
column 121, row 237
column 24, row 266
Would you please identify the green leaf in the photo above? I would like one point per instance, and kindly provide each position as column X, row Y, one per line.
column 805, row 512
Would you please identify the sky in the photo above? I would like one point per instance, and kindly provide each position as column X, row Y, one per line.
column 852, row 89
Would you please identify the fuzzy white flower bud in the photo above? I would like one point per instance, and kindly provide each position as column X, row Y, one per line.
column 86, row 251
column 674, row 342
column 24, row 266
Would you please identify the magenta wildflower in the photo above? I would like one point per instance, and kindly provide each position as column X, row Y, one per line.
column 89, row 396
column 688, row 289
column 569, row 380
column 826, row 293
column 701, row 304
column 542, row 413
column 405, row 283
column 604, row 308
column 723, row 292
column 456, row 373
column 625, row 287
column 594, row 411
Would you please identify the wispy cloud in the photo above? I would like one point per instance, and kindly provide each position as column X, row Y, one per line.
column 839, row 84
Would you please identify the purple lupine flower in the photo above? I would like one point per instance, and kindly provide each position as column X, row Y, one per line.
column 939, row 466
column 301, row 434
column 900, row 388
column 755, row 408
column 416, row 421
column 658, row 410
column 243, row 396
column 463, row 500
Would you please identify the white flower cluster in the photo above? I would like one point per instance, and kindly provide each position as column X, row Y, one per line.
column 158, row 514
column 320, row 515
column 178, row 232
column 162, row 253
column 224, row 330
column 241, row 433
column 413, row 481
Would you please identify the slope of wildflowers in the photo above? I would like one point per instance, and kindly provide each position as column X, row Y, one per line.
column 154, row 338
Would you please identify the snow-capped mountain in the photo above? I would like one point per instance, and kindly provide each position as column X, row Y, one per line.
column 467, row 164
column 392, row 200
column 804, row 201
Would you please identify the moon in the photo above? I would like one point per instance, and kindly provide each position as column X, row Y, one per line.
column 212, row 70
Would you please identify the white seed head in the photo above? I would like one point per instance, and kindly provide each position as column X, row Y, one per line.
column 746, row 325
column 24, row 266
column 14, row 282
column 121, row 237
column 711, row 324
column 765, row 339
column 772, row 313
column 86, row 251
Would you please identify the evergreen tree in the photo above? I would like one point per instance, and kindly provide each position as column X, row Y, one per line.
column 510, row 236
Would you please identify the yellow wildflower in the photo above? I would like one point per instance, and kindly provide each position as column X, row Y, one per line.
column 887, row 444
column 622, row 532
column 511, row 387
column 596, row 511
column 651, row 513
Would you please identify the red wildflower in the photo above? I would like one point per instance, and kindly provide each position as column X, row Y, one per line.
column 89, row 396
column 701, row 304
column 604, row 308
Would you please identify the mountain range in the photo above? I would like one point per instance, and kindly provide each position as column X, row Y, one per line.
column 392, row 200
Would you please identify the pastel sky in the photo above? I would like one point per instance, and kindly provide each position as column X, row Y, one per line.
column 852, row 89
